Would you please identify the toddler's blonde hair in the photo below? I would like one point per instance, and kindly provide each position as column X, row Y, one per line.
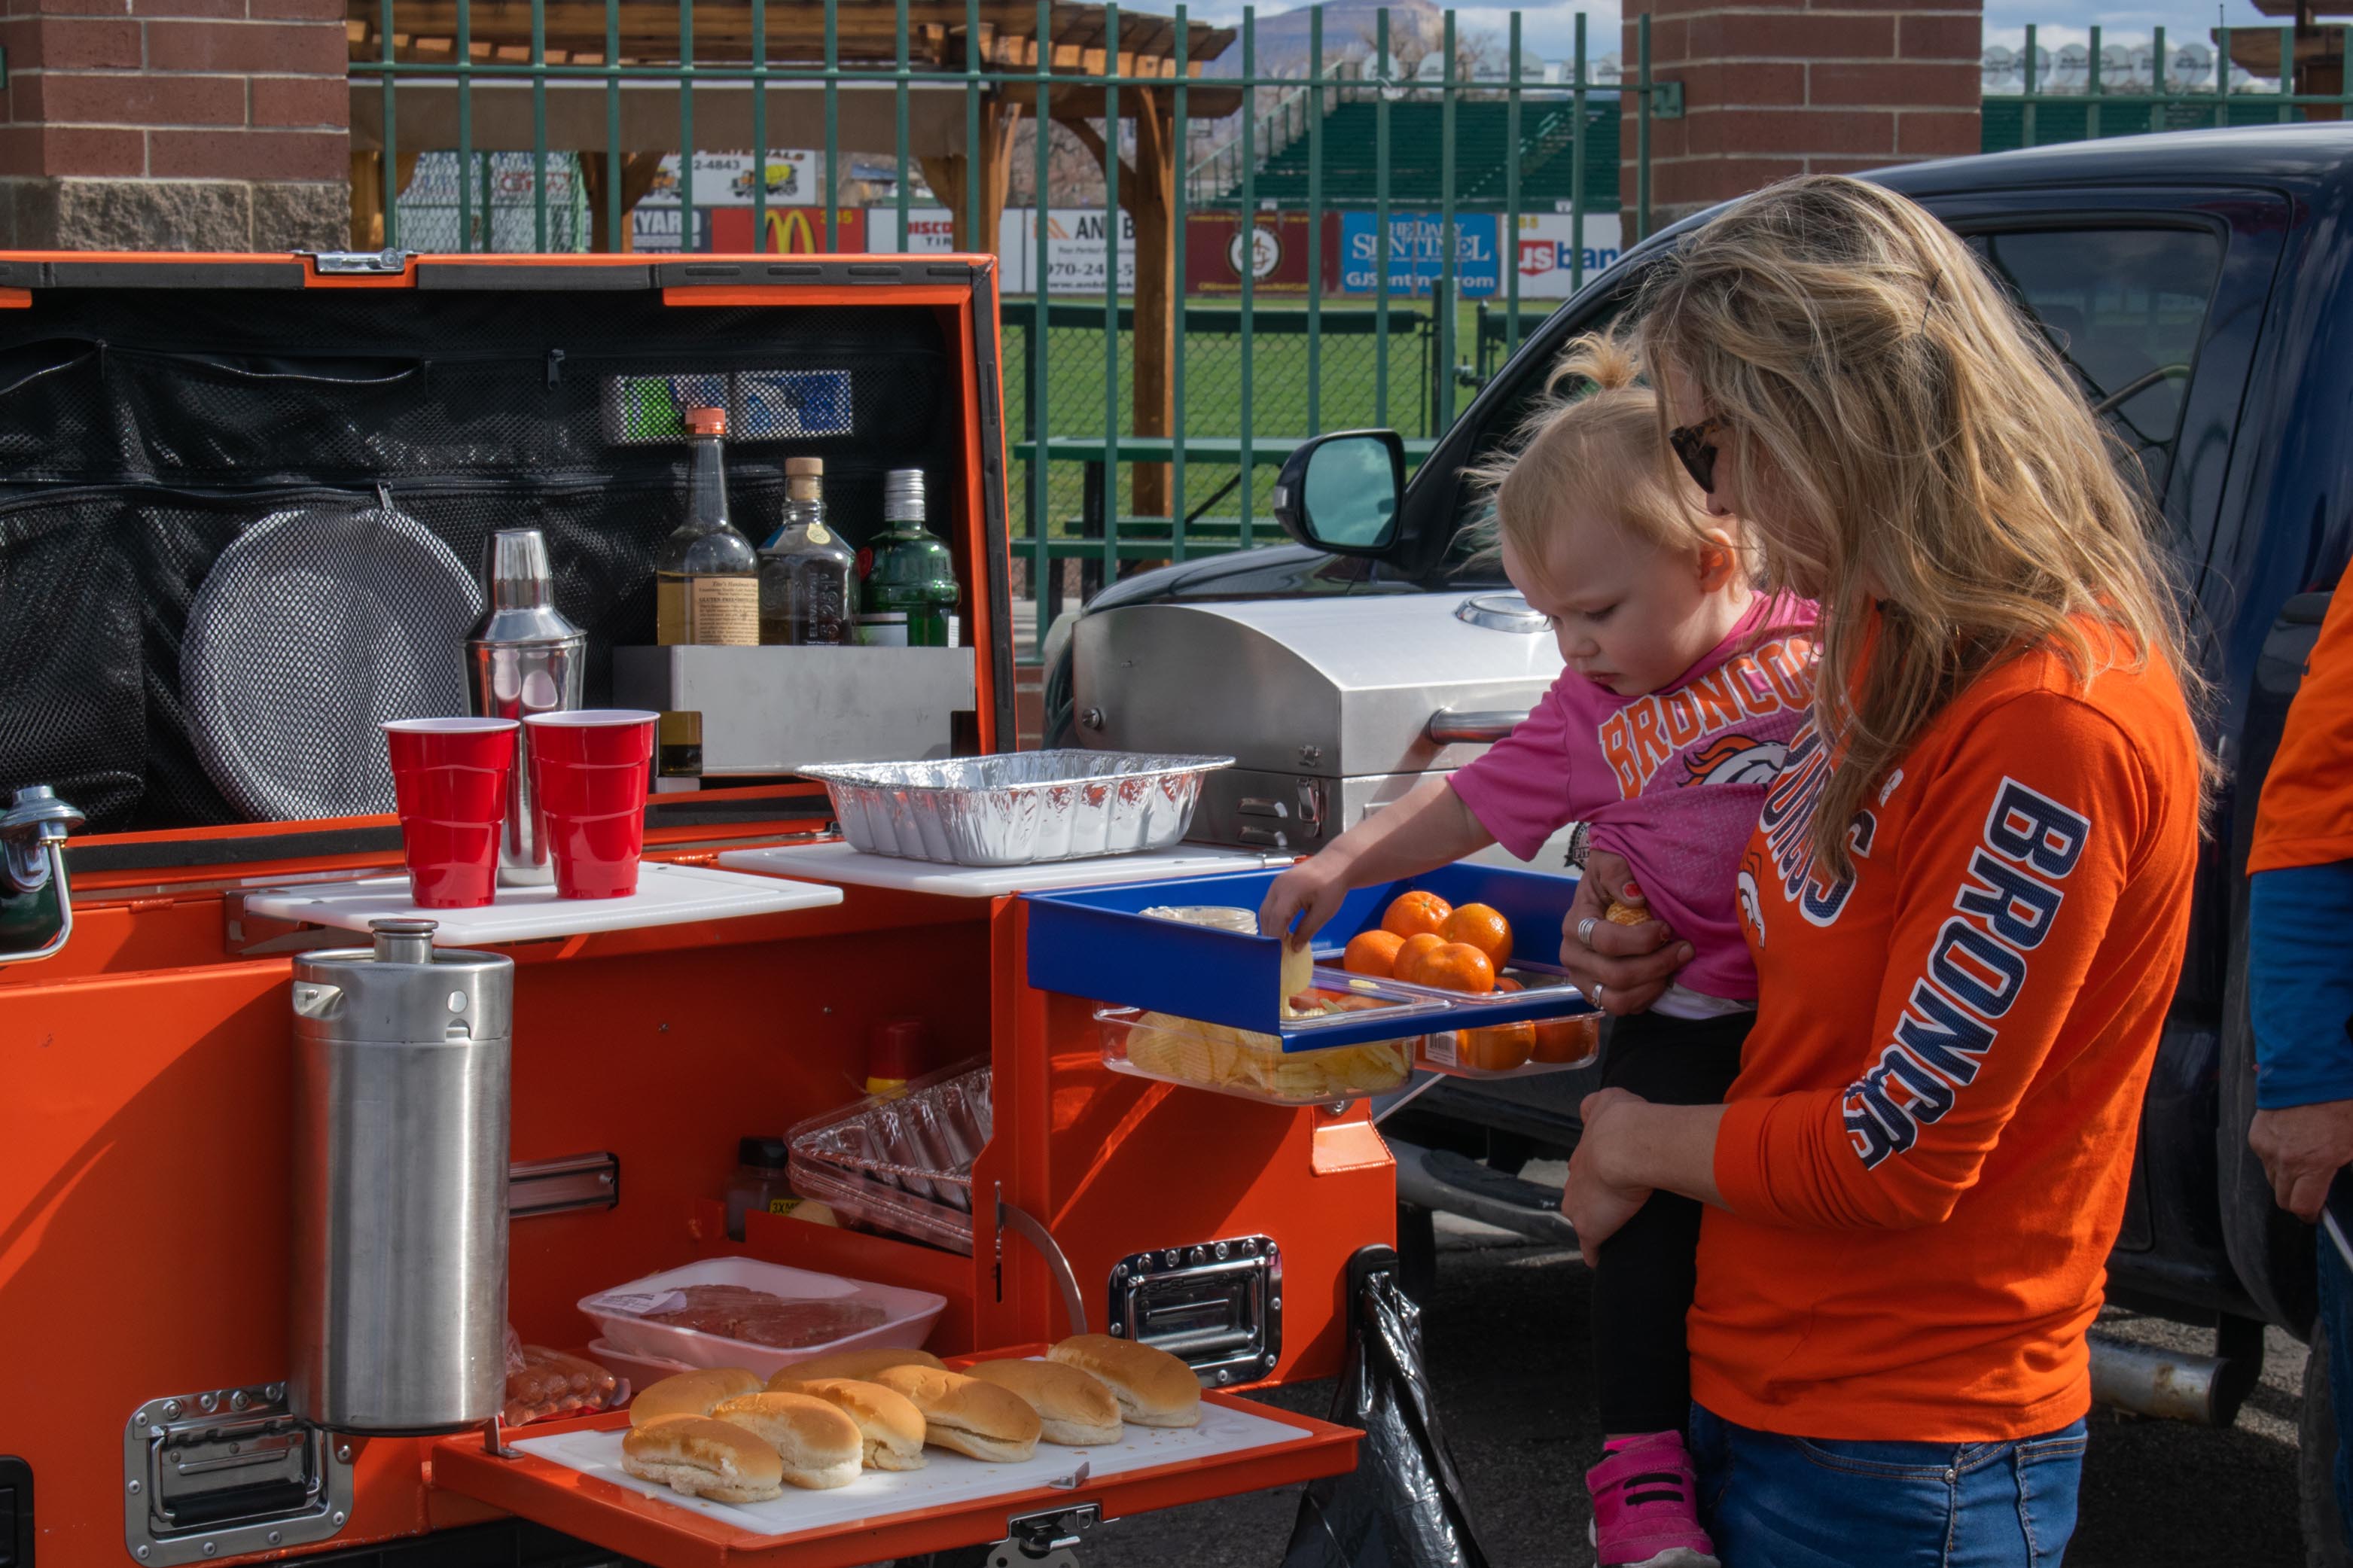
column 1605, row 448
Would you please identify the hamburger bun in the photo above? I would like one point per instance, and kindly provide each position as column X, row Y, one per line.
column 689, row 1393
column 820, row 1447
column 860, row 1365
column 1073, row 1409
column 696, row 1457
column 889, row 1424
column 965, row 1415
column 1152, row 1387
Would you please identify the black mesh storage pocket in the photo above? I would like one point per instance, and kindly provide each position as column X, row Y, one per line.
column 52, row 408
column 197, row 415
column 72, row 702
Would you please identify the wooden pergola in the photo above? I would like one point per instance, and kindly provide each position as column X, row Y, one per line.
column 504, row 109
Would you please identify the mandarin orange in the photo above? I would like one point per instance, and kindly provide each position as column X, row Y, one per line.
column 1483, row 928
column 1410, row 953
column 1561, row 1041
column 1456, row 966
column 1373, row 952
column 1499, row 1048
column 1413, row 913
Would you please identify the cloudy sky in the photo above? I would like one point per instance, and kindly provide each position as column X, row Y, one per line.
column 1547, row 25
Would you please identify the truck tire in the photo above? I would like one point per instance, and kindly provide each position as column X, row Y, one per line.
column 2316, row 1466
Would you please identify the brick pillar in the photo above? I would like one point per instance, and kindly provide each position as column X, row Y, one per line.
column 1776, row 88
column 174, row 125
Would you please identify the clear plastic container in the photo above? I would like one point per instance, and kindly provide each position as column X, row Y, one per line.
column 1216, row 917
column 903, row 1161
column 1245, row 1064
column 627, row 1314
column 1513, row 1050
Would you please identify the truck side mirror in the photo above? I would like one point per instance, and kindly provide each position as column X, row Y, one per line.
column 1342, row 492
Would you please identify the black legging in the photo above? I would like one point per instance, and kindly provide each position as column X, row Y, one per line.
column 1642, row 1290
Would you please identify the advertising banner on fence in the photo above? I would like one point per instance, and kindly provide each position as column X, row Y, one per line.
column 796, row 177
column 1278, row 254
column 791, row 231
column 1544, row 253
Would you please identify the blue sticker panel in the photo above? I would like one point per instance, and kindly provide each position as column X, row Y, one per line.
column 762, row 405
column 1097, row 943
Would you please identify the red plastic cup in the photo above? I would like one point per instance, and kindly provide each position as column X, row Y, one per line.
column 449, row 786
column 589, row 768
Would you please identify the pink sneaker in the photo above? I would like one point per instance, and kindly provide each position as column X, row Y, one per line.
column 1646, row 1506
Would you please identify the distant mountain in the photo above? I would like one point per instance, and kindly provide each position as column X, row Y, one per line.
column 1348, row 28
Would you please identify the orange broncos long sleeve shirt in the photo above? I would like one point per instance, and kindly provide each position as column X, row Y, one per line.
column 1923, row 1160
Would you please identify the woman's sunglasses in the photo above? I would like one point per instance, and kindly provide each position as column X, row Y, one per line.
column 1696, row 451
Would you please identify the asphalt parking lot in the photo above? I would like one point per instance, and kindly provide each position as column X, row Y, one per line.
column 1506, row 1339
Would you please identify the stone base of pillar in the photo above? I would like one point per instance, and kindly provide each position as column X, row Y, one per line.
column 66, row 213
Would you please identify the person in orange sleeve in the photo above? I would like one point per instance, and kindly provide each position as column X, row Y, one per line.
column 1967, row 897
column 2300, row 980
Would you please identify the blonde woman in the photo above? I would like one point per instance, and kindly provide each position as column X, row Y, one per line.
column 1966, row 898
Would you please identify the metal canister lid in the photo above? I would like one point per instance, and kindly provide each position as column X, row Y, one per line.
column 403, row 989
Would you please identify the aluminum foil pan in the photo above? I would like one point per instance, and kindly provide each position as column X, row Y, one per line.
column 1019, row 808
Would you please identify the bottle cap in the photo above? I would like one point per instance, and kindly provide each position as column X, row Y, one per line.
column 902, row 493
column 796, row 468
column 706, row 422
column 898, row 1048
column 765, row 1153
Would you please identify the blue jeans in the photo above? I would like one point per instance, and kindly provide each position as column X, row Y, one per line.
column 1795, row 1503
column 2336, row 1322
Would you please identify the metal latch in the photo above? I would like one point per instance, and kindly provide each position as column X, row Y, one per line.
column 1045, row 1539
column 536, row 1187
column 33, row 874
column 1218, row 1306
column 365, row 263
column 228, row 1471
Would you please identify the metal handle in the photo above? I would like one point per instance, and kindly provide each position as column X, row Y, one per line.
column 33, row 856
column 1025, row 1224
column 1448, row 727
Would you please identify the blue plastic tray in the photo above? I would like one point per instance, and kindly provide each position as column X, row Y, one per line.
column 1097, row 943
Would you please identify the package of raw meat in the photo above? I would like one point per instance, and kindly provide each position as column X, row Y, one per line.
column 739, row 1311
column 545, row 1384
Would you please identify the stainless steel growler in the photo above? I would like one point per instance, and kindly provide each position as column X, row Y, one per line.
column 402, row 1057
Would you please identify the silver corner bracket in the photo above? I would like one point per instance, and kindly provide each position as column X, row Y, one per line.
column 1217, row 1306
column 229, row 1471
column 358, row 263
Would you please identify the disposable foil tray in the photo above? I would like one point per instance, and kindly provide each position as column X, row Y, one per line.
column 901, row 1163
column 1019, row 808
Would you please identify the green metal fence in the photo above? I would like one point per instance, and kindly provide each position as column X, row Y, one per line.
column 1250, row 375
column 2100, row 107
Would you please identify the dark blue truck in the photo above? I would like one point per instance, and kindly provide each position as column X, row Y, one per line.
column 2201, row 285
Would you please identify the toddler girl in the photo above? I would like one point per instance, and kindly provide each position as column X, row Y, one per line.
column 1682, row 691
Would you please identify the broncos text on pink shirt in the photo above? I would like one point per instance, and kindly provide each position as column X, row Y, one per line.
column 1672, row 780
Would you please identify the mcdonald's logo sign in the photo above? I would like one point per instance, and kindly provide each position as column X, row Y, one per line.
column 790, row 231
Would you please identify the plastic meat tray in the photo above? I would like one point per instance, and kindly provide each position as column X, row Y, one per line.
column 901, row 1163
column 620, row 1313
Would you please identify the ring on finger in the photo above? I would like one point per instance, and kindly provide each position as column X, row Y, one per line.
column 1596, row 994
column 1585, row 930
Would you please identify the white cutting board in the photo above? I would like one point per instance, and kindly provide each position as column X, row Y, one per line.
column 666, row 895
column 838, row 862
column 945, row 1478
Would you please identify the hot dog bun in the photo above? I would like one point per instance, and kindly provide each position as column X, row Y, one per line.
column 889, row 1424
column 696, row 1457
column 1152, row 1387
column 965, row 1415
column 1072, row 1408
column 689, row 1393
column 818, row 1446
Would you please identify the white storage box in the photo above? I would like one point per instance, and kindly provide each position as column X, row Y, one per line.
column 621, row 1314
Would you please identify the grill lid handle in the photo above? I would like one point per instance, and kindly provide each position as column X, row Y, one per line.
column 1447, row 727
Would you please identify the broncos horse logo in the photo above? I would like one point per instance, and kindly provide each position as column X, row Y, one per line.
column 1735, row 758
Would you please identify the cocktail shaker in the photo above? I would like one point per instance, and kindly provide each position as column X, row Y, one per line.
column 523, row 659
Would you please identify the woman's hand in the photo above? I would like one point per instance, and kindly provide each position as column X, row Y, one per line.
column 1623, row 969
column 1312, row 890
column 1596, row 1201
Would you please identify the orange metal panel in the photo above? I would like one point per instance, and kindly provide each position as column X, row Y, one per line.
column 671, row 1537
column 15, row 299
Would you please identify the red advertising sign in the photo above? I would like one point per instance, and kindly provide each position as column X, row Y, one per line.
column 1278, row 253
column 792, row 231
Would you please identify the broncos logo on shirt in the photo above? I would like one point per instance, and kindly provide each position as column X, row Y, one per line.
column 1734, row 760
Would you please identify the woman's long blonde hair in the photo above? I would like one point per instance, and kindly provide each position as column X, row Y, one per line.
column 1603, row 444
column 1899, row 433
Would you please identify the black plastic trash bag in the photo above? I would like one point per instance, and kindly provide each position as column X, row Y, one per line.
column 1402, row 1506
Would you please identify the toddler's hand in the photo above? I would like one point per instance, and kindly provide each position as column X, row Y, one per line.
column 1311, row 891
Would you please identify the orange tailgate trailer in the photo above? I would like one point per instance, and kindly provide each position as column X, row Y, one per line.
column 199, row 698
